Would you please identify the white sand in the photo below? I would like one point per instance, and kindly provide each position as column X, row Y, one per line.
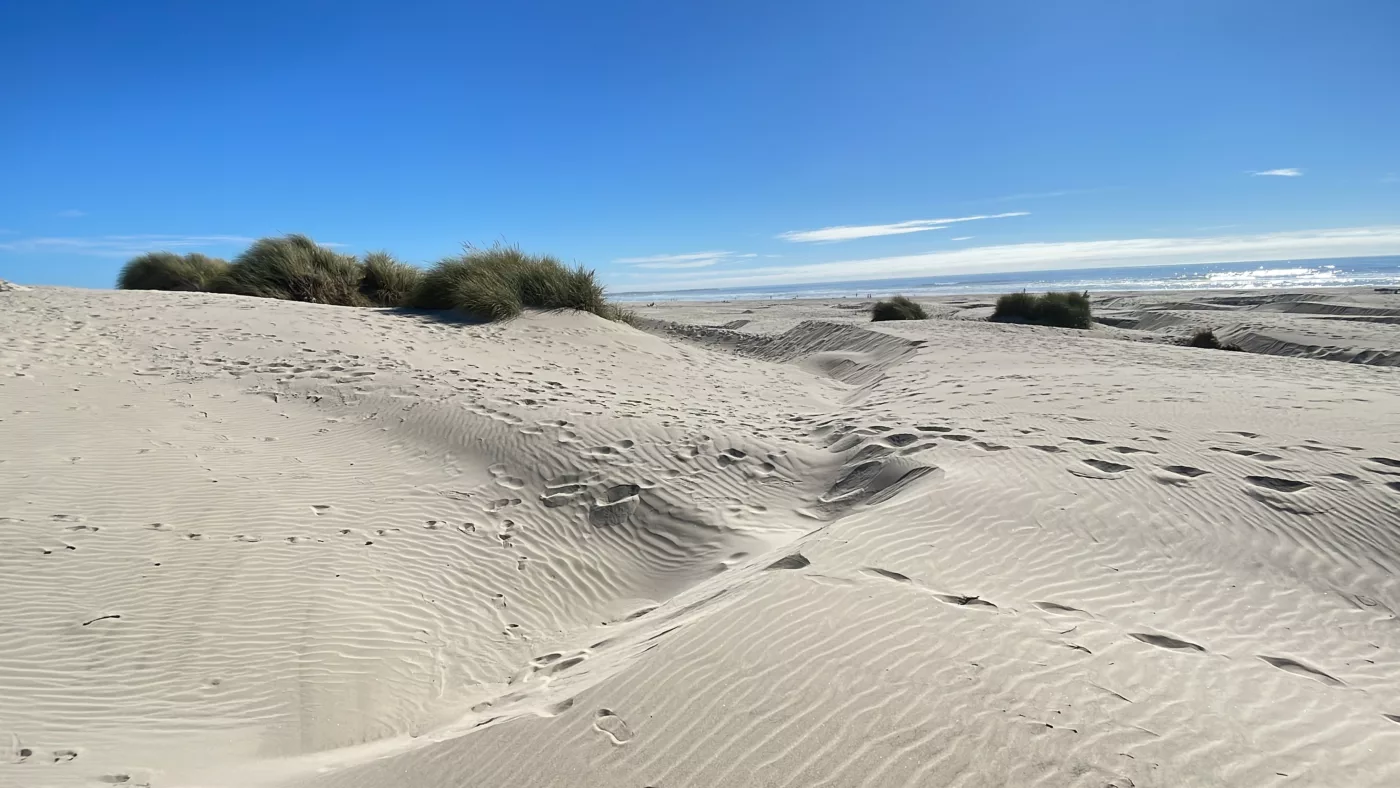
column 247, row 542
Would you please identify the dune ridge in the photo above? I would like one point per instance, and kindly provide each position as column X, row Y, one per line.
column 251, row 542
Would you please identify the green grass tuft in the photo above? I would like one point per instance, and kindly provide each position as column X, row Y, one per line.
column 384, row 281
column 1206, row 338
column 1066, row 310
column 497, row 283
column 170, row 271
column 622, row 315
column 500, row 282
column 295, row 268
column 897, row 308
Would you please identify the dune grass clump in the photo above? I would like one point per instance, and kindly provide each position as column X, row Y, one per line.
column 294, row 268
column 1206, row 338
column 620, row 314
column 169, row 271
column 500, row 282
column 496, row 283
column 1066, row 310
column 384, row 281
column 897, row 308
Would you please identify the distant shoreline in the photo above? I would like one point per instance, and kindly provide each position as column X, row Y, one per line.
column 1330, row 273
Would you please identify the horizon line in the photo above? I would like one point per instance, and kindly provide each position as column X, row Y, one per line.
column 737, row 288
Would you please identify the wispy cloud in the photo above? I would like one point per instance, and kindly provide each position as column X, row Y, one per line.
column 681, row 261
column 71, row 213
column 852, row 232
column 1038, row 195
column 682, row 264
column 119, row 245
column 671, row 258
column 1345, row 242
column 1285, row 172
column 964, row 238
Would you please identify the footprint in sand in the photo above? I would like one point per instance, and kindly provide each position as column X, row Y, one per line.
column 964, row 601
column 1177, row 475
column 887, row 574
column 794, row 561
column 1184, row 470
column 617, row 504
column 1276, row 484
column 1100, row 469
column 556, row 495
column 555, row 709
column 1387, row 465
column 501, row 503
column 1056, row 607
column 609, row 724
column 1251, row 453
column 1294, row 666
column 1166, row 641
column 729, row 457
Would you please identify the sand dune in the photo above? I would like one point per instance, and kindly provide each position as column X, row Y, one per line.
column 248, row 542
column 1357, row 325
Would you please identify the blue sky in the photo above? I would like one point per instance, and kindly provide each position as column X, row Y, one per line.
column 690, row 144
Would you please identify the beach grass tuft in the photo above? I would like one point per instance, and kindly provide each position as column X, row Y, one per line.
column 1205, row 338
column 1065, row 310
column 499, row 282
column 385, row 281
column 494, row 283
column 897, row 308
column 170, row 271
column 294, row 268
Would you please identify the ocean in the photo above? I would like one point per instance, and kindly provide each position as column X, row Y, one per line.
column 1335, row 272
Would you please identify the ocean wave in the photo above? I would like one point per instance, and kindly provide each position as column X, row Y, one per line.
column 1277, row 277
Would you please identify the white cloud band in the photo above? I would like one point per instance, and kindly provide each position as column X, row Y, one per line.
column 120, row 245
column 852, row 232
column 1345, row 242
